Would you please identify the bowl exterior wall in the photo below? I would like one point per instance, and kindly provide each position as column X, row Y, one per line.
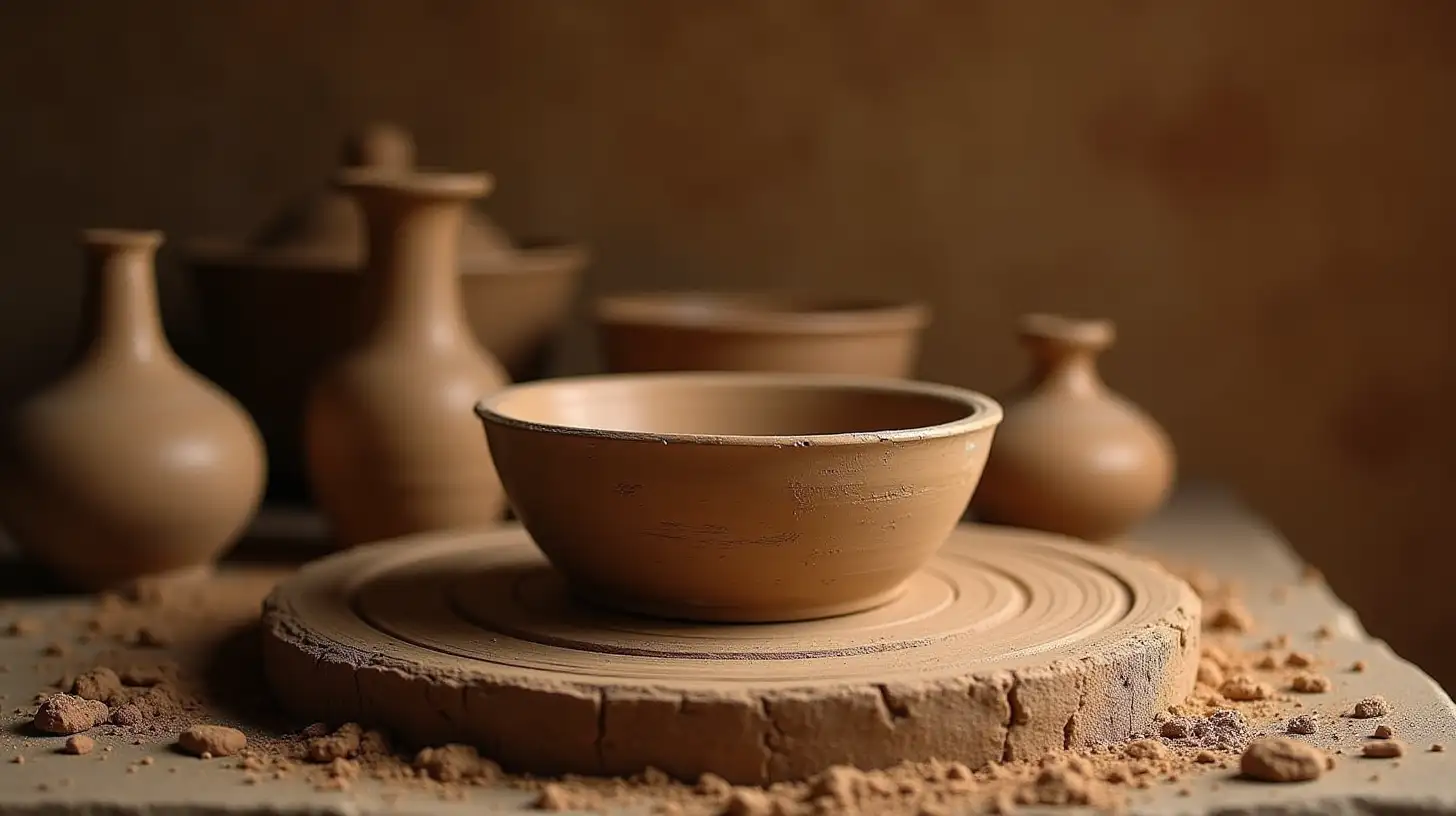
column 737, row 533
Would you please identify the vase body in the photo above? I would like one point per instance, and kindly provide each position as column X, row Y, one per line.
column 392, row 443
column 131, row 464
column 1071, row 456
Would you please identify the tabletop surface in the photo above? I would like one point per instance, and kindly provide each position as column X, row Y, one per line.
column 1202, row 527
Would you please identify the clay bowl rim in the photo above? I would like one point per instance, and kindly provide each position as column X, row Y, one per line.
column 754, row 311
column 535, row 258
column 981, row 410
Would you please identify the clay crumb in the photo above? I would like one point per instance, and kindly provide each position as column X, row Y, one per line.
column 54, row 650
column 1324, row 632
column 553, row 797
column 1209, row 673
column 79, row 745
column 1243, row 689
column 1438, row 747
column 68, row 714
column 1230, row 616
column 149, row 637
column 1267, row 663
column 100, row 684
column 1303, row 724
column 1205, row 757
column 208, row 741
column 1311, row 684
column 342, row 744
column 1278, row 759
column 1383, row 732
column 1370, row 707
column 748, row 802
column 1279, row 641
column 23, row 627
column 1299, row 660
column 1383, row 749
column 1358, row 666
column 455, row 763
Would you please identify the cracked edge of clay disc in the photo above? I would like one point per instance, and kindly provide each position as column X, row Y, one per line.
column 532, row 723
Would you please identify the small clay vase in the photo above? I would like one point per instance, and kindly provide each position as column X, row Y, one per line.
column 392, row 445
column 131, row 464
column 1071, row 456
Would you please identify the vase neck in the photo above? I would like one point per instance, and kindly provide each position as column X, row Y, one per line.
column 1064, row 353
column 413, row 224
column 122, row 317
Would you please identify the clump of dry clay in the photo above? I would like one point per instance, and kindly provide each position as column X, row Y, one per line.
column 1305, row 724
column 1277, row 759
column 1310, row 683
column 1383, row 749
column 1243, row 689
column 1383, row 732
column 1210, row 673
column 456, row 763
column 68, row 714
column 1229, row 616
column 208, row 741
column 1224, row 729
column 1370, row 707
column 1299, row 660
column 79, row 745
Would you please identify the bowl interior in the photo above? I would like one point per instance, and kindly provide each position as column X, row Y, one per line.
column 729, row 405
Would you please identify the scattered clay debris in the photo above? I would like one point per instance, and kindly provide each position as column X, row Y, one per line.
column 1369, row 707
column 1383, row 749
column 1303, row 724
column 1278, row 759
column 208, row 741
column 1229, row 616
column 1243, row 688
column 1223, row 729
column 1299, row 660
column 1383, row 732
column 1358, row 666
column 1311, row 684
column 79, row 745
column 456, row 763
column 23, row 627
column 67, row 714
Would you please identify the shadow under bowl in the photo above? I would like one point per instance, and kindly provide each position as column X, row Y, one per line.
column 724, row 331
column 738, row 497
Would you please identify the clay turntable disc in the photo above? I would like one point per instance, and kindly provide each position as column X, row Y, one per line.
column 1008, row 645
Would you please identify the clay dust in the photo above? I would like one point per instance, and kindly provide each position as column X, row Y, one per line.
column 162, row 658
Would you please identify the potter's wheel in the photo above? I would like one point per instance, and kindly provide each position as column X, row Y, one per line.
column 1009, row 644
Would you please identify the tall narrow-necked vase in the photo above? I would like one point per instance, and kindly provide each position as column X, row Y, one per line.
column 1071, row 456
column 130, row 465
column 392, row 442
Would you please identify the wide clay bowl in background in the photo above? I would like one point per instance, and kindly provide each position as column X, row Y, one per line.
column 738, row 497
column 703, row 331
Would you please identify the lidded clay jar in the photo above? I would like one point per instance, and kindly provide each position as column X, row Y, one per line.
column 392, row 443
column 1071, row 456
column 130, row 464
column 282, row 304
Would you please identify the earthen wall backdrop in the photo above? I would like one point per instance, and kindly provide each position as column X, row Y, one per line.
column 1259, row 193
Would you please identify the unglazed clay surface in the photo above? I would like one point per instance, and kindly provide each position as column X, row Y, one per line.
column 283, row 304
column 700, row 331
column 392, row 446
column 675, row 494
column 1073, row 457
column 130, row 464
column 1008, row 645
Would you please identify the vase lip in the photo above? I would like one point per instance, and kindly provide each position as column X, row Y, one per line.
column 1090, row 333
column 437, row 184
column 119, row 238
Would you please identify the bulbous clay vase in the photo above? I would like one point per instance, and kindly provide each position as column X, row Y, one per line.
column 739, row 497
column 1071, row 456
column 392, row 445
column 280, row 306
column 131, row 464
column 763, row 331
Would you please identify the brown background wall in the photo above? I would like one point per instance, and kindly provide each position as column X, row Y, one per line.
column 1259, row 193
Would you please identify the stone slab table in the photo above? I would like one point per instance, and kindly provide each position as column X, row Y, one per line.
column 1202, row 526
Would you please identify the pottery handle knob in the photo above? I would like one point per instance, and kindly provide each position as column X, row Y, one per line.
column 380, row 146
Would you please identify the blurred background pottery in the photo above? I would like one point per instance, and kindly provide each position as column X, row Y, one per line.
column 391, row 445
column 1071, row 456
column 738, row 497
column 130, row 464
column 284, row 303
column 721, row 331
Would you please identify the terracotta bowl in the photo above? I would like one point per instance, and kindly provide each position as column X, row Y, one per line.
column 702, row 331
column 272, row 323
column 738, row 497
